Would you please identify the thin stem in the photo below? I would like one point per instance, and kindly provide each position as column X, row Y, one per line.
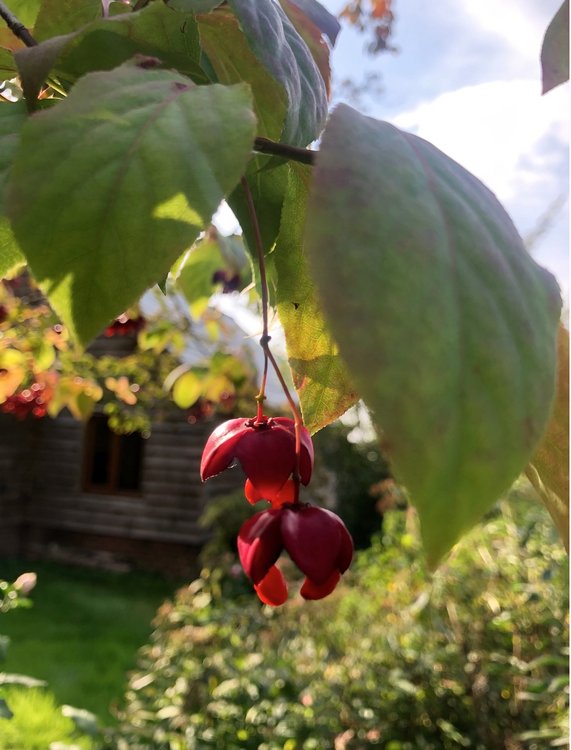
column 16, row 26
column 297, row 421
column 264, row 341
column 294, row 410
column 302, row 155
column 261, row 397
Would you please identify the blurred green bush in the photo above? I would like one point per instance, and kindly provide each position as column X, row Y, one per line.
column 474, row 656
column 359, row 469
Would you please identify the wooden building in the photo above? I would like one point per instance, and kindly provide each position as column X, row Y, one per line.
column 69, row 490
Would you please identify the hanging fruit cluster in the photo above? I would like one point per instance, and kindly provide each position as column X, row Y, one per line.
column 275, row 465
column 276, row 454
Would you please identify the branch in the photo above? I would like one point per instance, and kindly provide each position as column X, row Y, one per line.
column 16, row 27
column 302, row 155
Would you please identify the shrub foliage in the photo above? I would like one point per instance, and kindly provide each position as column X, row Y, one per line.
column 471, row 657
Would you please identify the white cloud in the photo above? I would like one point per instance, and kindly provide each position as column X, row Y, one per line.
column 516, row 142
column 495, row 130
column 519, row 23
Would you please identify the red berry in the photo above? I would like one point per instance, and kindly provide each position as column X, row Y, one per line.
column 265, row 449
column 315, row 538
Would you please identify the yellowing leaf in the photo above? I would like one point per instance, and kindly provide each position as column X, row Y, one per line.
column 10, row 380
column 79, row 395
column 319, row 375
column 187, row 390
column 551, row 459
column 122, row 389
column 216, row 387
column 44, row 355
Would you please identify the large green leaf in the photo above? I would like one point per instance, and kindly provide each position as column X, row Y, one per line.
column 155, row 31
column 57, row 17
column 313, row 37
column 275, row 42
column 446, row 323
column 12, row 117
column 555, row 50
column 319, row 375
column 228, row 51
column 111, row 185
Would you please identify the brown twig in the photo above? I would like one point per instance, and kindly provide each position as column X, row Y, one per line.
column 16, row 27
column 302, row 155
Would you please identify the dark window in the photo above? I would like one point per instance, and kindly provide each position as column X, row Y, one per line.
column 112, row 463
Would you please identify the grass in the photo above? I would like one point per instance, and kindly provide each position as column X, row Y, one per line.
column 83, row 632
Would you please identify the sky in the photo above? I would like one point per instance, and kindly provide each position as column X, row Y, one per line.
column 467, row 78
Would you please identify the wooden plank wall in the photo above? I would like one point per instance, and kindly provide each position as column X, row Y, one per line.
column 172, row 496
column 17, row 441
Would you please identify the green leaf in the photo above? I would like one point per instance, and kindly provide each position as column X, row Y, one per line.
column 8, row 67
column 228, row 51
column 156, row 31
column 555, row 50
column 319, row 375
column 268, row 187
column 58, row 17
column 447, row 325
column 312, row 36
column 44, row 355
column 112, row 184
column 12, row 117
column 26, row 11
column 275, row 42
column 194, row 274
column 187, row 390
